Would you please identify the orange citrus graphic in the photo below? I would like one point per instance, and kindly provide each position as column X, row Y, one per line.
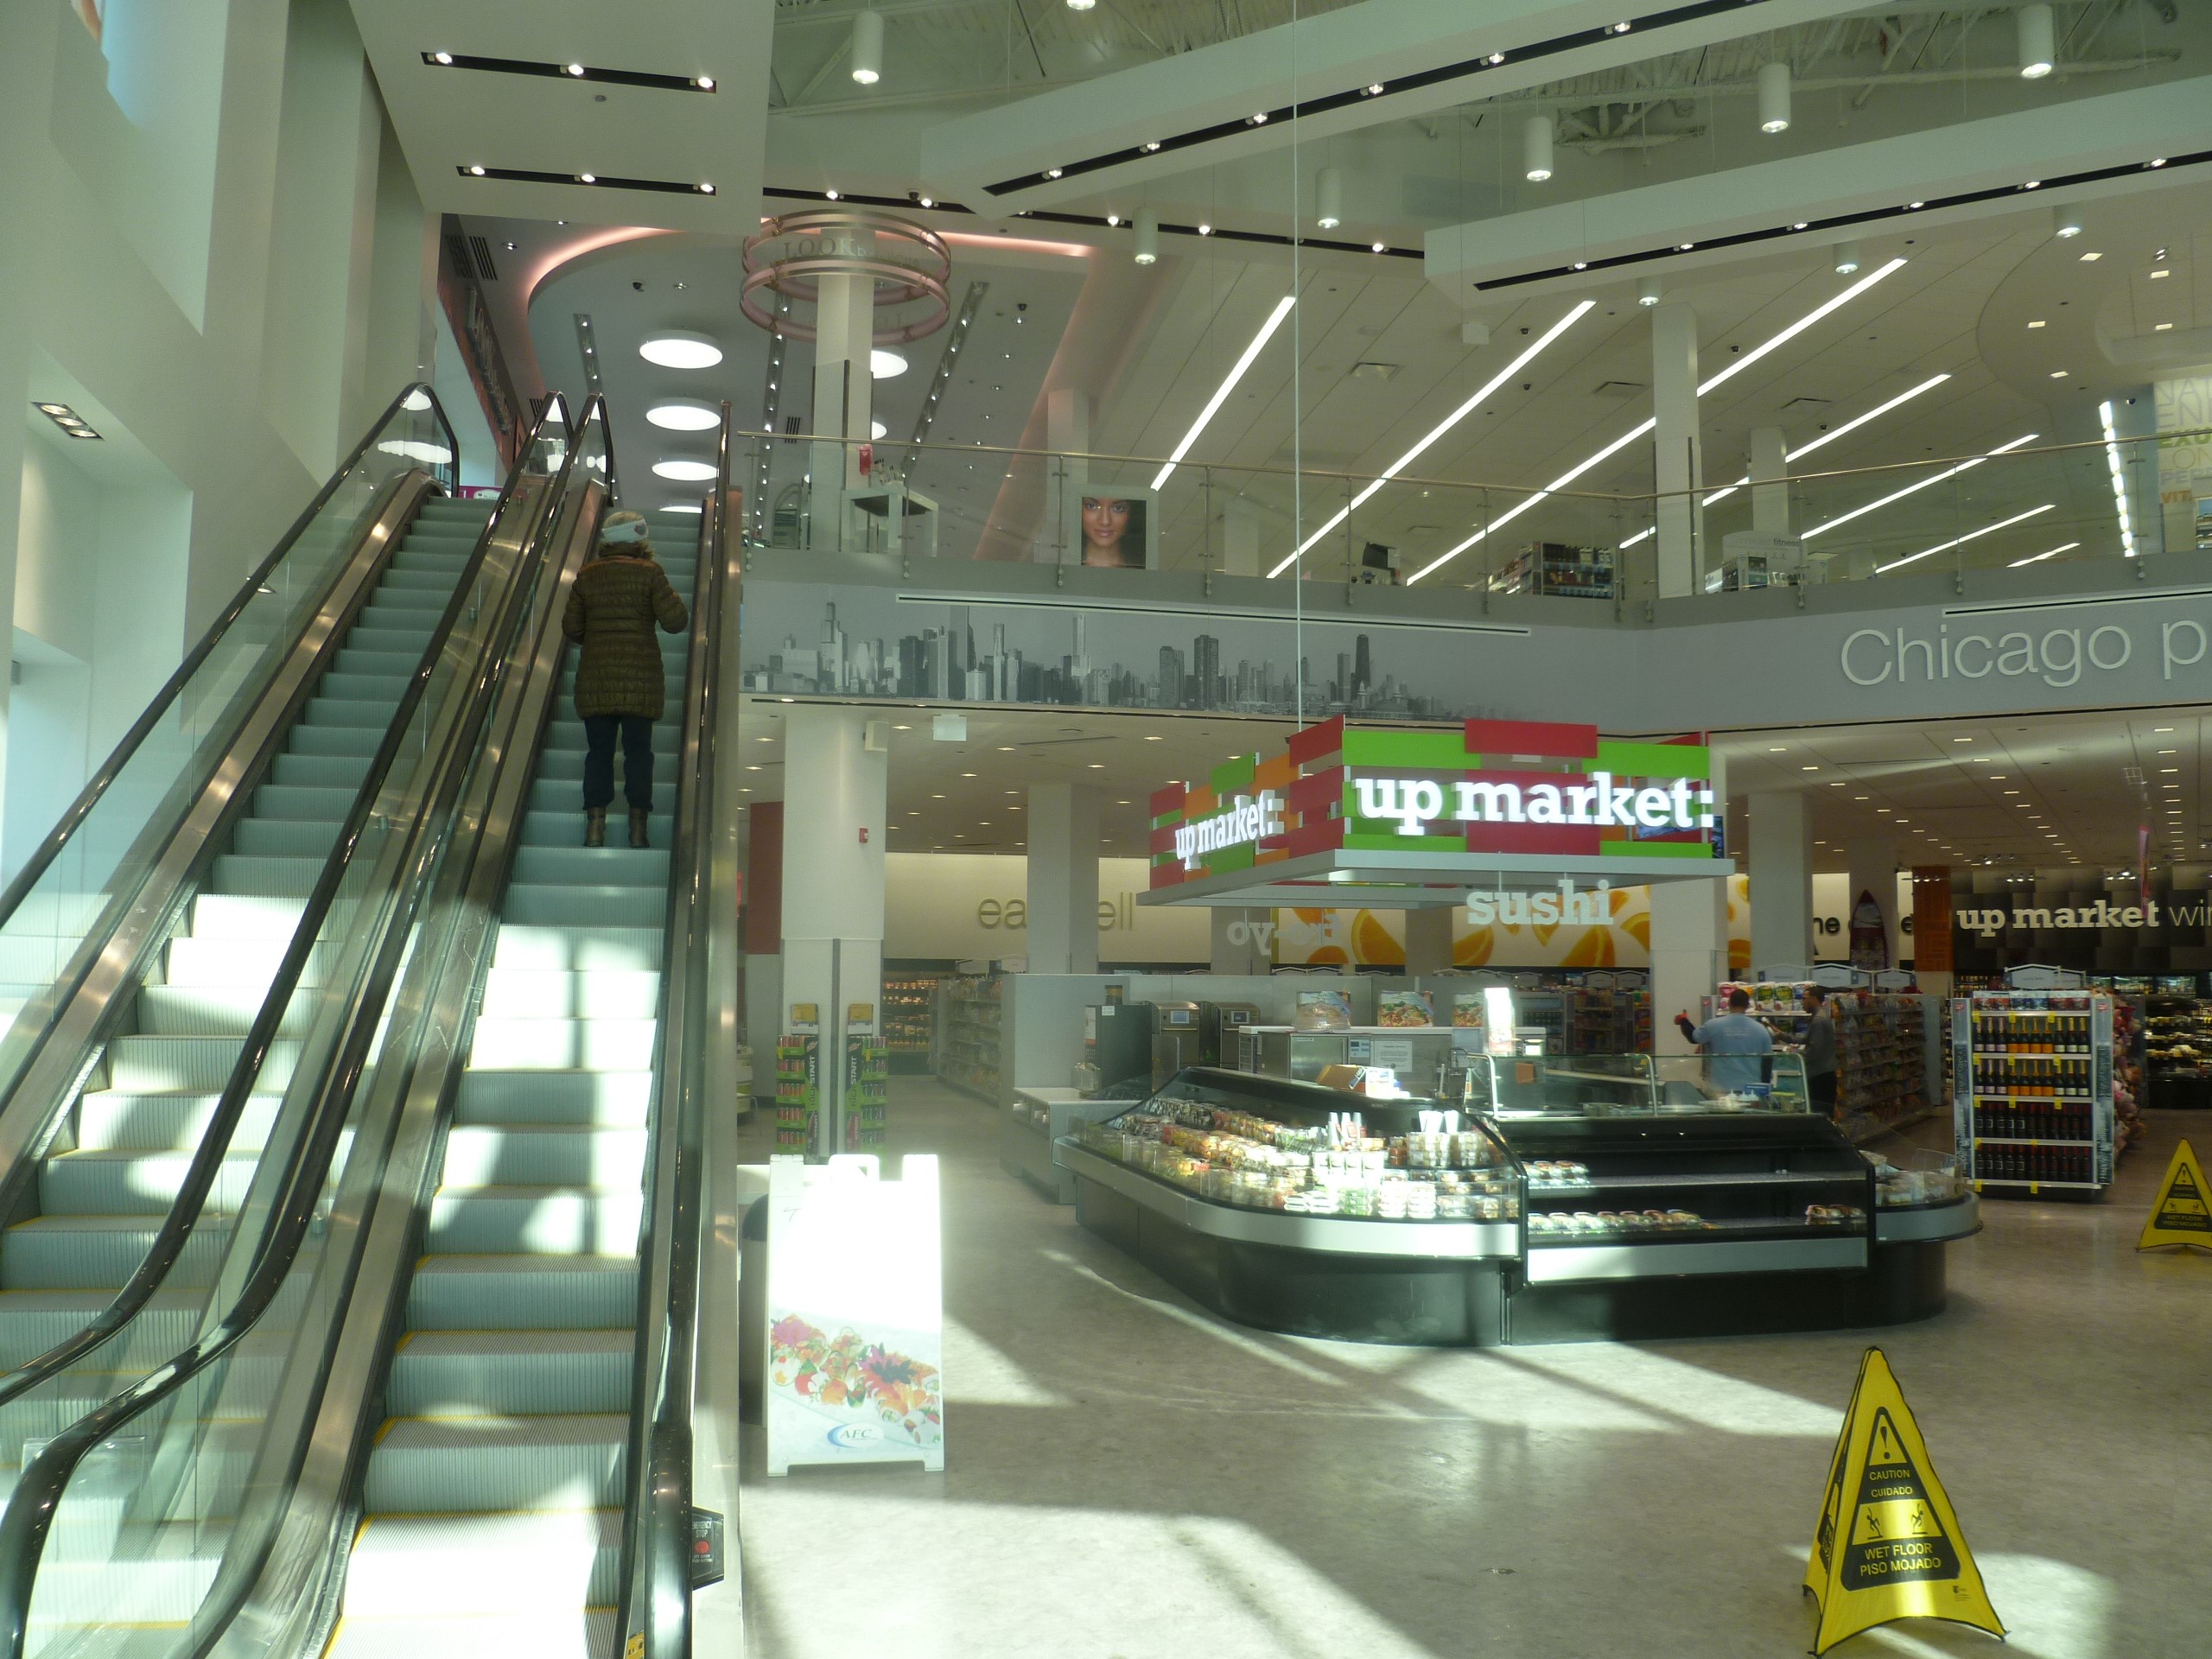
column 1327, row 956
column 1593, row 950
column 1372, row 943
column 1472, row 950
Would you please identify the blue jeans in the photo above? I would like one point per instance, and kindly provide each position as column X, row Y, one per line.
column 637, row 735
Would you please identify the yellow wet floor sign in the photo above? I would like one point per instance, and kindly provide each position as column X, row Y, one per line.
column 1889, row 1546
column 2183, row 1214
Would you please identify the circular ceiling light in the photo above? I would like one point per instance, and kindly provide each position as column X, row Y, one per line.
column 885, row 365
column 878, row 430
column 676, row 349
column 684, row 414
column 684, row 472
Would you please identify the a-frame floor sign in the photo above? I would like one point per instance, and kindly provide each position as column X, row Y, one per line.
column 2183, row 1214
column 1889, row 1546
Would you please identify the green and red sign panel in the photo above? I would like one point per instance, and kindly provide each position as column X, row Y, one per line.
column 1495, row 787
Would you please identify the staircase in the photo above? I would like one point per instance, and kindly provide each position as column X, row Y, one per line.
column 102, row 1199
column 491, row 1509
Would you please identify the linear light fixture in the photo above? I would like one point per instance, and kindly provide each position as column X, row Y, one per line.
column 1623, row 442
column 569, row 72
column 1643, row 535
column 1488, row 389
column 1221, row 393
column 1971, row 535
column 2118, row 482
column 68, row 420
column 2037, row 558
column 1828, row 437
column 1914, row 489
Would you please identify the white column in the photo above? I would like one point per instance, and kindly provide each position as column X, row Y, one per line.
column 834, row 808
column 1240, row 537
column 1062, row 870
column 1679, row 468
column 1770, row 494
column 1782, row 878
column 844, row 388
column 1428, row 939
column 1689, row 954
column 1238, row 941
column 1872, row 864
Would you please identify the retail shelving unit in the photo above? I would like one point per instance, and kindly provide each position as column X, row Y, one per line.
column 968, row 1034
column 2178, row 1056
column 798, row 1092
column 1609, row 1018
column 2031, row 1088
column 868, row 1084
column 909, row 1021
column 1555, row 569
column 1882, row 1057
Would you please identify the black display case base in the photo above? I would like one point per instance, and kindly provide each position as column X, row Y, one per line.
column 1432, row 1303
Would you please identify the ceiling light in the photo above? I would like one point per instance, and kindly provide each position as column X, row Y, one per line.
column 684, row 472
column 705, row 82
column 476, row 172
column 1152, row 146
column 867, row 47
column 1377, row 247
column 1774, row 98
column 685, row 415
column 2037, row 558
column 2037, row 323
column 1081, row 5
column 1648, row 291
column 2118, row 482
column 588, row 178
column 1536, row 149
column 1329, row 198
column 2091, row 257
column 1375, row 89
column 442, row 57
column 1914, row 489
column 1204, row 229
column 878, row 430
column 2160, row 275
column 1051, row 172
column 576, row 69
column 1846, row 258
column 1259, row 118
column 1229, row 385
column 1971, row 535
column 829, row 195
column 672, row 349
column 2032, row 27
column 1148, row 228
column 1831, row 435
column 1113, row 221
column 68, row 419
column 1483, row 395
column 1736, row 365
column 2060, row 374
column 2160, row 328
column 883, row 364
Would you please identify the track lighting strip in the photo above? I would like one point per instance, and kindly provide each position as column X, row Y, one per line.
column 1914, row 489
column 1229, row 385
column 594, row 181
column 1961, row 541
column 571, row 72
column 1828, row 437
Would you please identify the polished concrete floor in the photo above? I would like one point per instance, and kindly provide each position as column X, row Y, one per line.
column 1128, row 1477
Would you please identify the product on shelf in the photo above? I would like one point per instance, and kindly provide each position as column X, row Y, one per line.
column 798, row 1092
column 1558, row 568
column 908, row 1024
column 967, row 1038
column 868, row 1085
column 1881, row 1048
column 2032, row 1087
column 2177, row 1050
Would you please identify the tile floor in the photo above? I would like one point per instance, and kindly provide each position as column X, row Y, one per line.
column 1128, row 1477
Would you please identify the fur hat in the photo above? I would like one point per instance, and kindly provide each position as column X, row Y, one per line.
column 625, row 532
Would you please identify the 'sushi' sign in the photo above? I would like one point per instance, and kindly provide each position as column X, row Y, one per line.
column 1494, row 786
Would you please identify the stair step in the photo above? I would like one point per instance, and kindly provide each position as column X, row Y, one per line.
column 585, row 866
column 533, row 1221
column 296, row 803
column 266, row 877
column 355, row 740
column 593, row 906
column 165, row 1065
column 117, row 1119
column 137, row 1183
column 615, row 1099
column 101, row 1252
column 472, row 1373
column 440, row 1465
column 564, row 798
column 32, row 1321
column 528, row 1293
column 580, row 948
column 213, row 1011
column 599, row 1157
column 461, row 1567
column 555, row 993
column 509, row 1044
column 541, row 1635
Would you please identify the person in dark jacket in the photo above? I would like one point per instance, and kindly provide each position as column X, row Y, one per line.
column 617, row 599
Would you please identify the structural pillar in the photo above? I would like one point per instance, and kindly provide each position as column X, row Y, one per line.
column 764, row 941
column 1428, row 939
column 834, row 806
column 1782, row 878
column 844, row 394
column 1872, row 864
column 1689, row 954
column 1063, row 869
column 1244, row 941
column 1678, row 461
column 1769, row 487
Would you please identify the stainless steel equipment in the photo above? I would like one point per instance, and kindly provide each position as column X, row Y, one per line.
column 1116, row 1047
column 1174, row 1039
column 1219, row 1024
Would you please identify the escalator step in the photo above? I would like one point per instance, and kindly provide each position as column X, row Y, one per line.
column 130, row 1183
column 564, row 827
column 303, row 802
column 579, row 949
column 101, row 1252
column 159, row 1064
column 564, row 797
column 541, row 1635
column 556, row 994
column 345, row 771
column 236, row 872
column 533, row 1221
column 286, row 837
column 596, row 906
column 151, row 1120
column 469, row 1373
column 584, row 867
column 405, row 1567
column 214, row 1010
column 32, row 1321
column 543, row 1154
column 615, row 1099
column 439, row 1466
column 469, row 1292
column 556, row 1045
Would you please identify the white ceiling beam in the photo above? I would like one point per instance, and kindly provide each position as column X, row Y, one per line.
column 2073, row 136
column 1339, row 51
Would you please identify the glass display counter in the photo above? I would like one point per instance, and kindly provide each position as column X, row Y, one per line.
column 1532, row 1198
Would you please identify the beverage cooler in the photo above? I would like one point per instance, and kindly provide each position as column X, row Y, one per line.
column 2031, row 1075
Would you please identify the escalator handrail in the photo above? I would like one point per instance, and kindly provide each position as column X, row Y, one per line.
column 98, row 785
column 199, row 1177
column 29, row 1515
column 656, row 1587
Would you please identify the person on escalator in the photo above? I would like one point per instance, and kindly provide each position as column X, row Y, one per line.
column 618, row 597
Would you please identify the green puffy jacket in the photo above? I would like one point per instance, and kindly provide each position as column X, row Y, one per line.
column 612, row 609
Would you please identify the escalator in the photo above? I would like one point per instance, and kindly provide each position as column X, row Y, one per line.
column 439, row 1394
column 102, row 1198
column 492, row 1503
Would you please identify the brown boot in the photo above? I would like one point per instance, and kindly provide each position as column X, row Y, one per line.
column 595, row 826
column 638, row 819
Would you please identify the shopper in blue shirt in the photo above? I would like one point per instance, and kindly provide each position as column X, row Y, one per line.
column 1735, row 1045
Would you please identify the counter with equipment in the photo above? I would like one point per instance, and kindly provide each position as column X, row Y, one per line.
column 1535, row 1198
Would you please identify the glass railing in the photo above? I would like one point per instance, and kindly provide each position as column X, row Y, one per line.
column 2021, row 502
column 150, row 1512
column 80, row 879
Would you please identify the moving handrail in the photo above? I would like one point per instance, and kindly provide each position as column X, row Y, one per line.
column 656, row 1573
column 207, row 1160
column 296, row 1189
column 101, row 890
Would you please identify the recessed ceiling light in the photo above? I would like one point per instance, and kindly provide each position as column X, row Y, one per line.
column 684, row 417
column 885, row 364
column 705, row 82
column 2160, row 275
column 684, row 472
column 672, row 349
column 2091, row 257
column 575, row 69
column 2160, row 328
column 2060, row 374
column 2037, row 323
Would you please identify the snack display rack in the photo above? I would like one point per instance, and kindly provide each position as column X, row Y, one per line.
column 1542, row 1198
column 1608, row 1019
column 909, row 1020
column 968, row 1034
column 1559, row 570
column 2178, row 1053
column 798, row 1092
column 2032, row 1088
column 868, row 1093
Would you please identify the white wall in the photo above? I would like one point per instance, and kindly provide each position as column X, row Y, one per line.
column 973, row 904
column 215, row 253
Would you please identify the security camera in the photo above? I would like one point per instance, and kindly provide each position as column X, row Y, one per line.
column 640, row 287
column 1021, row 305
